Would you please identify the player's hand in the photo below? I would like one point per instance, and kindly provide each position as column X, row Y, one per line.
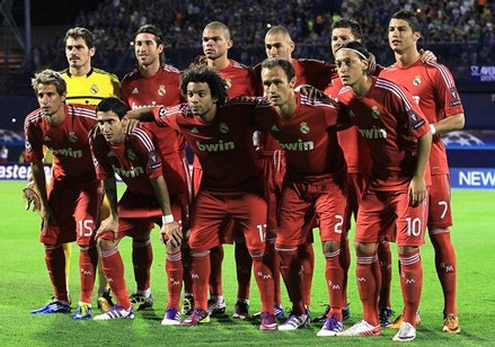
column 172, row 233
column 109, row 224
column 417, row 191
column 427, row 56
column 371, row 64
column 46, row 218
column 313, row 94
column 129, row 124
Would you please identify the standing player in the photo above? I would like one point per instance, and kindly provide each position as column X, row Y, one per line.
column 69, row 208
column 433, row 88
column 156, row 83
column 394, row 204
column 145, row 202
column 314, row 183
column 87, row 85
column 231, row 188
column 278, row 44
column 241, row 81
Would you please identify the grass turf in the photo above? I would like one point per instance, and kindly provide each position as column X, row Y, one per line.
column 25, row 286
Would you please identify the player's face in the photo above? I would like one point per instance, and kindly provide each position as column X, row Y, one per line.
column 278, row 89
column 77, row 52
column 199, row 98
column 215, row 44
column 49, row 99
column 146, row 49
column 277, row 45
column 350, row 67
column 400, row 35
column 110, row 126
column 340, row 36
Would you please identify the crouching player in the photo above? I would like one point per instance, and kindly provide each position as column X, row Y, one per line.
column 145, row 202
column 220, row 134
column 394, row 204
column 314, row 183
column 69, row 208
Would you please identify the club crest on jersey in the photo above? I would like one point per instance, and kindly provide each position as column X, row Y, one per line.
column 224, row 129
column 304, row 128
column 228, row 83
column 72, row 136
column 417, row 81
column 131, row 155
column 94, row 89
column 375, row 113
column 161, row 90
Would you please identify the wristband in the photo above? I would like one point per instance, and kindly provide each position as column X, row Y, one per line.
column 433, row 129
column 169, row 218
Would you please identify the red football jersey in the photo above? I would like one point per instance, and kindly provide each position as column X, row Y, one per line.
column 241, row 80
column 135, row 160
column 433, row 88
column 161, row 89
column 224, row 147
column 308, row 138
column 391, row 122
column 68, row 142
column 308, row 71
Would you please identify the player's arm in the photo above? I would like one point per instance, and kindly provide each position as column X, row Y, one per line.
column 39, row 177
column 417, row 187
column 111, row 223
column 448, row 124
column 144, row 114
column 170, row 229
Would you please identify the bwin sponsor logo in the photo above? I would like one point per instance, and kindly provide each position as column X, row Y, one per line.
column 374, row 133
column 134, row 172
column 67, row 152
column 300, row 145
column 220, row 146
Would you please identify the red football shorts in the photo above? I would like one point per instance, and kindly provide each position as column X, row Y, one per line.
column 211, row 210
column 440, row 214
column 273, row 164
column 299, row 203
column 389, row 216
column 76, row 209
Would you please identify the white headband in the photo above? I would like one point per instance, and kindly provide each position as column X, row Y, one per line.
column 355, row 51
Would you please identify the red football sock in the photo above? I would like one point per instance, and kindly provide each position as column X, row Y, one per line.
column 215, row 282
column 88, row 260
column 385, row 259
column 142, row 258
column 368, row 279
column 113, row 268
column 175, row 272
column 307, row 258
column 446, row 266
column 411, row 282
column 274, row 263
column 55, row 263
column 186, row 263
column 334, row 275
column 264, row 280
column 345, row 263
column 244, row 264
column 200, row 273
column 290, row 268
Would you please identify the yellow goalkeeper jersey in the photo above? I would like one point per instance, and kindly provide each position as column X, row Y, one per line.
column 92, row 88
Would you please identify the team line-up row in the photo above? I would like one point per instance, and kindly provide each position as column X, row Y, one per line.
column 366, row 144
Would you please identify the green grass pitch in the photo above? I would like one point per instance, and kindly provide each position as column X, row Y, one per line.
column 25, row 285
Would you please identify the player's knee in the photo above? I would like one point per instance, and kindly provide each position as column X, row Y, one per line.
column 405, row 250
column 330, row 246
column 365, row 248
